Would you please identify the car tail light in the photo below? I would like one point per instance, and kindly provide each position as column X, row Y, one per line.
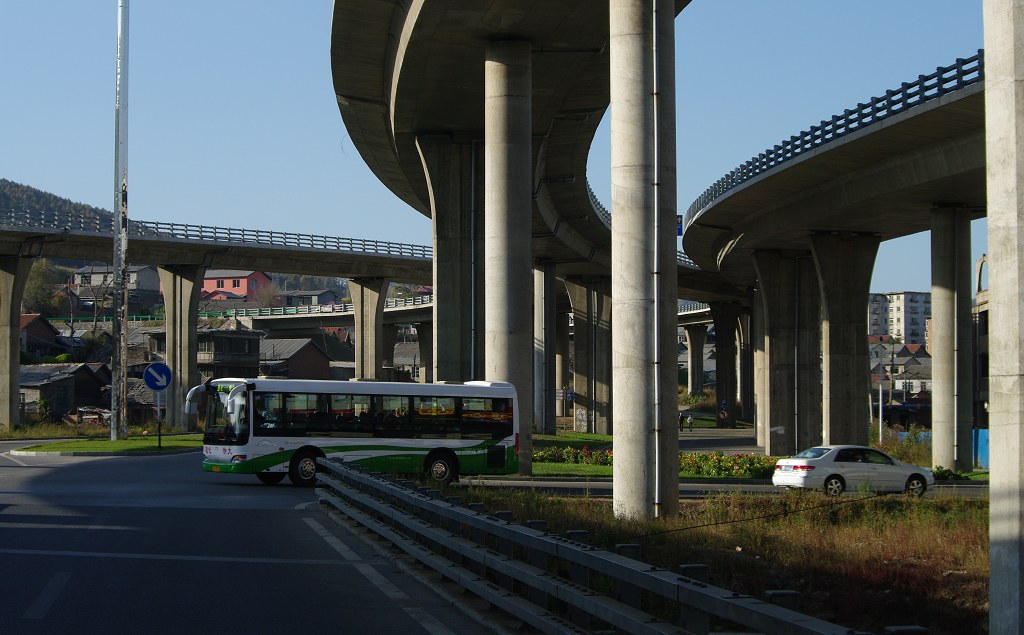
column 517, row 444
column 803, row 468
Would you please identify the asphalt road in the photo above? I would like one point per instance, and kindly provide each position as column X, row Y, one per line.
column 153, row 544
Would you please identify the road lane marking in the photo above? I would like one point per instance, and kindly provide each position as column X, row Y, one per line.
column 7, row 455
column 429, row 623
column 161, row 556
column 41, row 606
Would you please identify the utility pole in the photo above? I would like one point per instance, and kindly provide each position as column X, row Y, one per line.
column 119, row 359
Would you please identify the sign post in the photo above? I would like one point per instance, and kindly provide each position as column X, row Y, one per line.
column 158, row 377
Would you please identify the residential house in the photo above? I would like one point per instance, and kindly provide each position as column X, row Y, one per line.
column 234, row 281
column 309, row 298
column 294, row 358
column 94, row 284
column 43, row 390
column 38, row 337
column 228, row 349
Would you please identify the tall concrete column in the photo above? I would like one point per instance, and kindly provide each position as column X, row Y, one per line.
column 757, row 345
column 425, row 340
column 544, row 348
column 642, row 92
column 454, row 177
column 563, row 376
column 726, row 316
column 789, row 290
column 695, row 338
column 1004, row 160
column 845, row 265
column 14, row 272
column 592, row 335
column 368, row 297
column 388, row 340
column 943, row 338
column 181, row 287
column 965, row 353
column 508, row 209
column 745, row 375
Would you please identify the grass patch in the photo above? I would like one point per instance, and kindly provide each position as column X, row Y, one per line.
column 131, row 444
column 571, row 470
column 575, row 440
column 863, row 562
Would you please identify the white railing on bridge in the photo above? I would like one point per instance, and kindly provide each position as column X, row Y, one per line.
column 63, row 222
column 317, row 309
column 945, row 80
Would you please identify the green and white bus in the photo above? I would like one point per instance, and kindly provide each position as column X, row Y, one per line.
column 278, row 427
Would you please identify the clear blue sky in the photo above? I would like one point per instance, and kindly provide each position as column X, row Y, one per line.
column 233, row 121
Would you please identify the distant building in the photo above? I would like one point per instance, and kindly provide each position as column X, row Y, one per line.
column 902, row 315
column 309, row 298
column 294, row 358
column 94, row 284
column 229, row 349
column 38, row 337
column 240, row 283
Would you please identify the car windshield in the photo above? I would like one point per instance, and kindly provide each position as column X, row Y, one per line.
column 812, row 453
column 224, row 424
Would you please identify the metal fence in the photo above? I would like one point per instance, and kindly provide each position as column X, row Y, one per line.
column 555, row 583
column 61, row 222
column 945, row 80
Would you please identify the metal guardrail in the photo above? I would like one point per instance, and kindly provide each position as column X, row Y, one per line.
column 61, row 222
column 316, row 309
column 554, row 583
column 945, row 80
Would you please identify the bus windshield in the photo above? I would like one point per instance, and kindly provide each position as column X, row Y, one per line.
column 222, row 412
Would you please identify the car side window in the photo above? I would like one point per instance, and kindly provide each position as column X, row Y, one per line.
column 846, row 456
column 877, row 458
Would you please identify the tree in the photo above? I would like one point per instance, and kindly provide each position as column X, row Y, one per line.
column 46, row 290
column 266, row 296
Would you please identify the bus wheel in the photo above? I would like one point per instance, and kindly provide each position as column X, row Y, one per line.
column 270, row 478
column 442, row 467
column 302, row 471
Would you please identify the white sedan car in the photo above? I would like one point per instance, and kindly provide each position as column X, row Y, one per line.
column 835, row 469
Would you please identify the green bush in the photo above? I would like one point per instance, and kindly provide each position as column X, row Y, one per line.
column 567, row 454
column 720, row 465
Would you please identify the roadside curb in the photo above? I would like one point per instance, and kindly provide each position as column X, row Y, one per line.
column 124, row 453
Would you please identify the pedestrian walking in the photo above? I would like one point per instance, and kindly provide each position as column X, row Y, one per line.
column 689, row 422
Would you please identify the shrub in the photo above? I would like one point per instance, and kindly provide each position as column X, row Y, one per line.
column 720, row 465
column 567, row 454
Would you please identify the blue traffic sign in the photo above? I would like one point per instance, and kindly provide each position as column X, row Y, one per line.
column 157, row 376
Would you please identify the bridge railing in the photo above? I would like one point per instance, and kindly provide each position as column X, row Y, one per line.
column 62, row 222
column 555, row 583
column 316, row 309
column 944, row 80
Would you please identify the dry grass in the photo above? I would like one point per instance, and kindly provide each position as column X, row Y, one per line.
column 865, row 562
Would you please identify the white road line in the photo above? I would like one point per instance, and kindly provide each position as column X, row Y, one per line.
column 396, row 595
column 7, row 455
column 41, row 606
column 161, row 556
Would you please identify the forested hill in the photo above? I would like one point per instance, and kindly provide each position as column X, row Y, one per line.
column 15, row 196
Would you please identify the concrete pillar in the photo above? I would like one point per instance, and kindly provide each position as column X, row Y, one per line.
column 642, row 91
column 544, row 349
column 965, row 354
column 388, row 340
column 844, row 265
column 454, row 177
column 425, row 339
column 14, row 272
column 508, row 209
column 726, row 316
column 695, row 337
column 789, row 290
column 181, row 288
column 592, row 379
column 368, row 297
column 1004, row 150
column 943, row 338
column 563, row 377
column 757, row 345
column 745, row 374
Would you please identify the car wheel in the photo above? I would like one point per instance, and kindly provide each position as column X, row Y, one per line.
column 442, row 467
column 302, row 471
column 916, row 486
column 270, row 478
column 834, row 486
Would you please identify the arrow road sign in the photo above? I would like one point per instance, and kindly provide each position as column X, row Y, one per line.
column 157, row 376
